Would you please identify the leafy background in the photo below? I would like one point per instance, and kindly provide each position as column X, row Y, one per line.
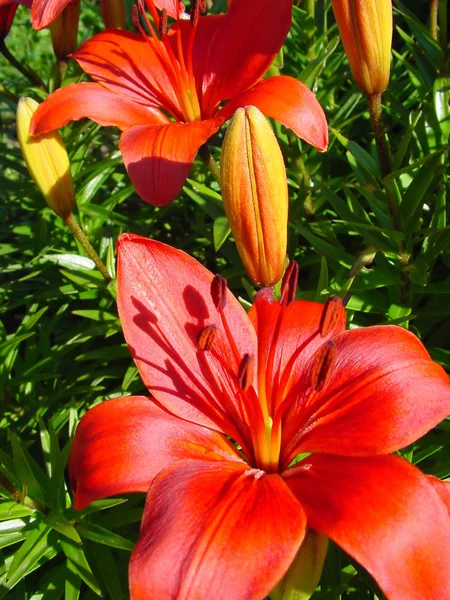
column 61, row 345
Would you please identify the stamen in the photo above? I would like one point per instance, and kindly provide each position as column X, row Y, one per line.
column 205, row 337
column 218, row 291
column 135, row 17
column 289, row 284
column 195, row 12
column 330, row 316
column 323, row 366
column 163, row 23
column 246, row 371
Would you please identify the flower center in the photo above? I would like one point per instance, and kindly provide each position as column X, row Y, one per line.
column 174, row 56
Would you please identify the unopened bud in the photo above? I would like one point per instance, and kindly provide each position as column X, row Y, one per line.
column 255, row 194
column 47, row 161
column 64, row 31
column 113, row 13
column 366, row 32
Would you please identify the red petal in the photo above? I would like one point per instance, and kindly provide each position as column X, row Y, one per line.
column 385, row 514
column 442, row 488
column 241, row 48
column 159, row 157
column 125, row 63
column 91, row 100
column 174, row 8
column 164, row 300
column 7, row 12
column 44, row 12
column 215, row 530
column 122, row 444
column 290, row 102
column 285, row 330
column 383, row 394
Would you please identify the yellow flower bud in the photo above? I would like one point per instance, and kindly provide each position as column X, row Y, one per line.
column 366, row 31
column 255, row 194
column 47, row 161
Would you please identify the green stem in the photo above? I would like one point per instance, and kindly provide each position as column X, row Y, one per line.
column 376, row 116
column 81, row 237
column 443, row 36
column 21, row 498
column 28, row 73
column 210, row 162
column 434, row 18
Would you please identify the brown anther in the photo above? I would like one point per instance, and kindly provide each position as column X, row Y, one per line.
column 246, row 371
column 324, row 362
column 218, row 291
column 331, row 314
column 195, row 12
column 135, row 16
column 163, row 23
column 205, row 337
column 289, row 284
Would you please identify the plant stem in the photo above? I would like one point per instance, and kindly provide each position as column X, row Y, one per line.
column 376, row 116
column 443, row 36
column 20, row 498
column 210, row 162
column 434, row 18
column 28, row 73
column 81, row 237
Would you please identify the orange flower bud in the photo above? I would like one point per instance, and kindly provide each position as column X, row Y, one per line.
column 255, row 194
column 47, row 161
column 366, row 31
column 64, row 30
column 113, row 13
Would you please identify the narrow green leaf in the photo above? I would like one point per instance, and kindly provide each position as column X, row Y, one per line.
column 77, row 562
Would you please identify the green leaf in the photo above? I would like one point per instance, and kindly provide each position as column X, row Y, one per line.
column 77, row 562
column 221, row 230
column 99, row 534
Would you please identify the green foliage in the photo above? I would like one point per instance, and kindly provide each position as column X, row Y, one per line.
column 61, row 346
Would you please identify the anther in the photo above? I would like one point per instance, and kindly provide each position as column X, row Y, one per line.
column 195, row 12
column 289, row 284
column 218, row 291
column 332, row 312
column 246, row 371
column 135, row 16
column 163, row 23
column 324, row 362
column 205, row 337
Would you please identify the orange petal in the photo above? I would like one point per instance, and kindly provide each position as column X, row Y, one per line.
column 158, row 158
column 384, row 392
column 290, row 102
column 44, row 12
column 127, row 64
column 164, row 301
column 122, row 444
column 385, row 514
column 215, row 530
column 93, row 101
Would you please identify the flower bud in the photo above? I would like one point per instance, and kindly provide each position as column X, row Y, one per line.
column 47, row 161
column 366, row 31
column 113, row 13
column 7, row 12
column 255, row 194
column 64, row 30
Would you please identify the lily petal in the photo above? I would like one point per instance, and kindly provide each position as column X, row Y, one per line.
column 288, row 336
column 122, row 444
column 215, row 530
column 442, row 488
column 245, row 43
column 93, row 101
column 44, row 12
column 158, row 158
column 384, row 392
column 164, row 301
column 385, row 514
column 127, row 64
column 290, row 102
column 174, row 8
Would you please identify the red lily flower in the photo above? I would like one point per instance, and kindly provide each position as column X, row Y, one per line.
column 43, row 12
column 225, row 521
column 164, row 91
column 7, row 12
